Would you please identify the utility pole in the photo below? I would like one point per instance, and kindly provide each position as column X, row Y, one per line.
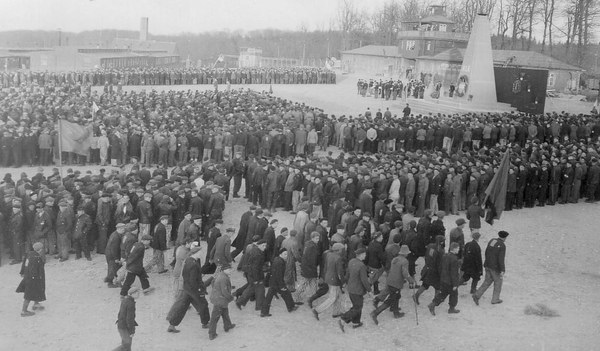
column 59, row 37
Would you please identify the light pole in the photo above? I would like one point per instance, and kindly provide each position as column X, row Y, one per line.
column 59, row 37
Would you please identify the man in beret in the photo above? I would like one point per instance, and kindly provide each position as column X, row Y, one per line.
column 220, row 297
column 494, row 268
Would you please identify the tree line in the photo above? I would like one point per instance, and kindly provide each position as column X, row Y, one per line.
column 563, row 29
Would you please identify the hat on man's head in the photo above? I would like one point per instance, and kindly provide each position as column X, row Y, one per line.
column 404, row 250
column 360, row 250
column 226, row 266
column 503, row 234
column 337, row 247
column 164, row 217
column 38, row 246
column 120, row 225
column 195, row 217
column 147, row 237
column 261, row 241
column 460, row 221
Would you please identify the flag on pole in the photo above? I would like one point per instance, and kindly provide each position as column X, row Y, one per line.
column 221, row 58
column 74, row 137
column 496, row 190
column 95, row 107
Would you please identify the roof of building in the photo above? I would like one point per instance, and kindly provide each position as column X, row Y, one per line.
column 146, row 45
column 375, row 50
column 529, row 59
column 436, row 19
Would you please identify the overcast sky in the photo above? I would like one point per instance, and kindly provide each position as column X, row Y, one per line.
column 171, row 16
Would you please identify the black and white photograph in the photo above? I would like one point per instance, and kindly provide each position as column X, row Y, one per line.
column 352, row 175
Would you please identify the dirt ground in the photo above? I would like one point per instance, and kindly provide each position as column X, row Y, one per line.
column 552, row 258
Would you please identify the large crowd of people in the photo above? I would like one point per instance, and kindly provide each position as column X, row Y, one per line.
column 368, row 212
column 172, row 76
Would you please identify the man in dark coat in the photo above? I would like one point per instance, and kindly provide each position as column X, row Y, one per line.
column 472, row 266
column 194, row 292
column 83, row 227
column 240, row 240
column 159, row 245
column 113, row 254
column 17, row 234
column 34, row 280
column 277, row 285
column 358, row 286
column 376, row 261
column 430, row 275
column 449, row 281
column 494, row 268
column 135, row 266
column 126, row 319
column 253, row 270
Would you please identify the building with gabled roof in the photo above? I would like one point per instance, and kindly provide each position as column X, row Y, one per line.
column 445, row 66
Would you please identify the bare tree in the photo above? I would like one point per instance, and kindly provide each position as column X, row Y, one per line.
column 464, row 12
column 548, row 19
column 385, row 23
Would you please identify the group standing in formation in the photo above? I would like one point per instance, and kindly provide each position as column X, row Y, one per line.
column 362, row 218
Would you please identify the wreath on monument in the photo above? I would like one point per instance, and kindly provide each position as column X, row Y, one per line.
column 516, row 88
column 463, row 86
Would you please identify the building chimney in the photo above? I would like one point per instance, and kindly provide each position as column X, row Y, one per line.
column 144, row 29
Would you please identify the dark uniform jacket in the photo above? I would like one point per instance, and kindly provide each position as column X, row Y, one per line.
column 192, row 277
column 253, row 267
column 126, row 317
column 449, row 272
column 277, row 274
column 494, row 255
column 472, row 263
column 135, row 259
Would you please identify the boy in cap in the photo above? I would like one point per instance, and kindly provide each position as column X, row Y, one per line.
column 220, row 297
column 126, row 318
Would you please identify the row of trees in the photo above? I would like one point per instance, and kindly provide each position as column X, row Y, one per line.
column 561, row 28
column 543, row 25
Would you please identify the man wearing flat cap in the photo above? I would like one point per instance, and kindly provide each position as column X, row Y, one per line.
column 358, row 286
column 135, row 266
column 159, row 245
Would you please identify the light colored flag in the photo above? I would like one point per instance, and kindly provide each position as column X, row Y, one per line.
column 75, row 137
column 221, row 58
column 95, row 107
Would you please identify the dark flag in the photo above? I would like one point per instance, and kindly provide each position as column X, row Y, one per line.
column 496, row 190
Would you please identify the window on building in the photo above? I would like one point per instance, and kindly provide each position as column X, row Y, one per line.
column 551, row 79
column 443, row 27
column 410, row 45
column 428, row 45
